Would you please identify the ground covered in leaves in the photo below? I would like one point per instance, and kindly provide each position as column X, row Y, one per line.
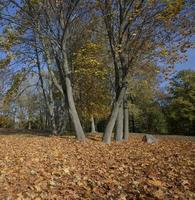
column 38, row 167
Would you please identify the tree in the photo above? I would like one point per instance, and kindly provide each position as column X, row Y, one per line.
column 91, row 83
column 53, row 22
column 181, row 105
column 141, row 31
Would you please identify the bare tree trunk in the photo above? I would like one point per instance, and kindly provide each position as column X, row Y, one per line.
column 92, row 125
column 62, row 117
column 49, row 100
column 29, row 119
column 73, row 112
column 29, row 125
column 67, row 88
column 110, row 125
column 119, row 124
column 51, row 106
column 54, row 129
column 126, row 119
column 51, row 103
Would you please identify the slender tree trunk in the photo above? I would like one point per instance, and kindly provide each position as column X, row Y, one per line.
column 126, row 119
column 41, row 118
column 51, row 112
column 92, row 125
column 133, row 123
column 53, row 80
column 119, row 124
column 30, row 120
column 49, row 102
column 62, row 117
column 29, row 125
column 73, row 112
column 54, row 129
column 110, row 125
column 70, row 100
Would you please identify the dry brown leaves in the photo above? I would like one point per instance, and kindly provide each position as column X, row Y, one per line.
column 35, row 167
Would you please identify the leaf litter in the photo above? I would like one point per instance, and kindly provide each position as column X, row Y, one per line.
column 63, row 168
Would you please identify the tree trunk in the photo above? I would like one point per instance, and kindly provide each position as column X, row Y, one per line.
column 48, row 100
column 119, row 124
column 133, row 123
column 110, row 125
column 29, row 120
column 51, row 105
column 71, row 104
column 64, row 72
column 62, row 117
column 29, row 125
column 52, row 118
column 73, row 112
column 126, row 120
column 92, row 125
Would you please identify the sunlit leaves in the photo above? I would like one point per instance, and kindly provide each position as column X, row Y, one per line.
column 8, row 39
column 5, row 62
column 16, row 81
column 91, row 74
column 173, row 7
column 5, row 122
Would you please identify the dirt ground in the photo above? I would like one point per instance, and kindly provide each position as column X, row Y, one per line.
column 39, row 167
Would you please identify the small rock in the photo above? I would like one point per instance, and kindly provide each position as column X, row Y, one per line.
column 150, row 139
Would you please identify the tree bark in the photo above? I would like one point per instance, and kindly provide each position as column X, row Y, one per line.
column 67, row 89
column 113, row 116
column 92, row 125
column 126, row 119
column 29, row 125
column 73, row 112
column 119, row 124
column 29, row 119
column 49, row 100
column 51, row 106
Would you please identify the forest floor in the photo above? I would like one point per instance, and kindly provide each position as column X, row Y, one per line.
column 40, row 167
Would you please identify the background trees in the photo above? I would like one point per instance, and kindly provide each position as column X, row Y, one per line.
column 180, row 106
column 144, row 94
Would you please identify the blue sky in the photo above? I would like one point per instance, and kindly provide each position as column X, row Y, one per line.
column 190, row 64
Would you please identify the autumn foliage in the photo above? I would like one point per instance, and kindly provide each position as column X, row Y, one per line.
column 5, row 122
column 35, row 167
